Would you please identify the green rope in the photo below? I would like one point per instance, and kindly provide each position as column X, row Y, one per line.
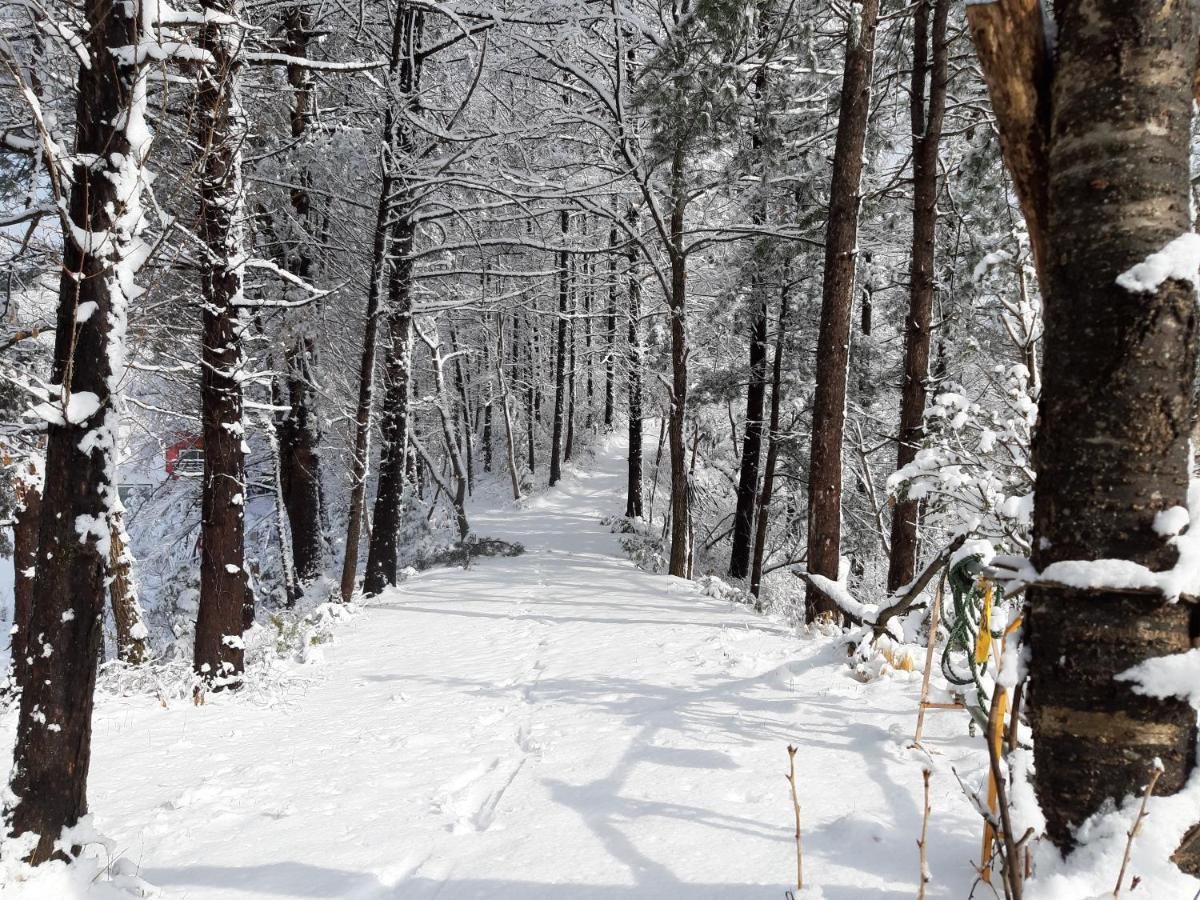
column 962, row 630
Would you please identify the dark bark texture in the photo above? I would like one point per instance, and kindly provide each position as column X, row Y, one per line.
column 678, row 563
column 299, row 430
column 54, row 728
column 1111, row 449
column 768, row 479
column 224, row 587
column 25, row 547
column 747, row 491
column 932, row 64
column 560, row 358
column 400, row 61
column 633, row 469
column 833, row 343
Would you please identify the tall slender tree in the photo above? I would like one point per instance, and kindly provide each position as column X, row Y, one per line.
column 225, row 593
column 837, row 299
column 930, row 65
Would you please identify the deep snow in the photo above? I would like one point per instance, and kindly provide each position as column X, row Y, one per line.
column 555, row 725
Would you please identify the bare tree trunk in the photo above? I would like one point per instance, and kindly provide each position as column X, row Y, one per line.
column 610, row 356
column 588, row 296
column 291, row 586
column 833, row 343
column 464, row 403
column 572, row 324
column 556, row 441
column 52, row 753
column 510, row 444
column 773, row 439
column 122, row 593
column 743, row 518
column 389, row 489
column 448, row 420
column 531, row 376
column 747, row 490
column 680, row 513
column 25, row 547
column 381, row 264
column 633, row 481
column 224, row 587
column 927, row 133
column 299, row 430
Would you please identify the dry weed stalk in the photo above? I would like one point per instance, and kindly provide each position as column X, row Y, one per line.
column 1137, row 825
column 791, row 777
column 925, row 876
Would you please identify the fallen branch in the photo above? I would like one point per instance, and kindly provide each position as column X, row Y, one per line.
column 860, row 614
column 907, row 596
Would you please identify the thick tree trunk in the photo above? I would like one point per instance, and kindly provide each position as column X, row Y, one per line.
column 556, row 440
column 633, row 469
column 833, row 343
column 300, row 463
column 1111, row 449
column 680, row 484
column 389, row 489
column 53, row 743
column 773, row 438
column 25, row 547
column 224, row 587
column 382, row 548
column 299, row 430
column 927, row 133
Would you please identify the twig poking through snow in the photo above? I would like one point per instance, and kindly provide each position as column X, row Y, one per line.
column 925, row 875
column 1137, row 824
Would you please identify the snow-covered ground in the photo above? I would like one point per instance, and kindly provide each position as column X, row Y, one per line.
column 555, row 725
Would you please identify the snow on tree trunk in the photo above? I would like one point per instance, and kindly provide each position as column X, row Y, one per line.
column 389, row 490
column 102, row 251
column 299, row 430
column 222, row 131
column 633, row 469
column 560, row 360
column 1111, row 450
column 123, row 595
column 27, row 524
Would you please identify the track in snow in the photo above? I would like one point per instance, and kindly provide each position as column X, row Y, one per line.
column 556, row 725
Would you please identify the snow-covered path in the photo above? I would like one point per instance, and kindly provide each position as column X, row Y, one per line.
column 558, row 725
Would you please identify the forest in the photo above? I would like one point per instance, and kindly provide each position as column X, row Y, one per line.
column 474, row 448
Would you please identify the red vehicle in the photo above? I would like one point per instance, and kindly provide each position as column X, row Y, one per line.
column 185, row 456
